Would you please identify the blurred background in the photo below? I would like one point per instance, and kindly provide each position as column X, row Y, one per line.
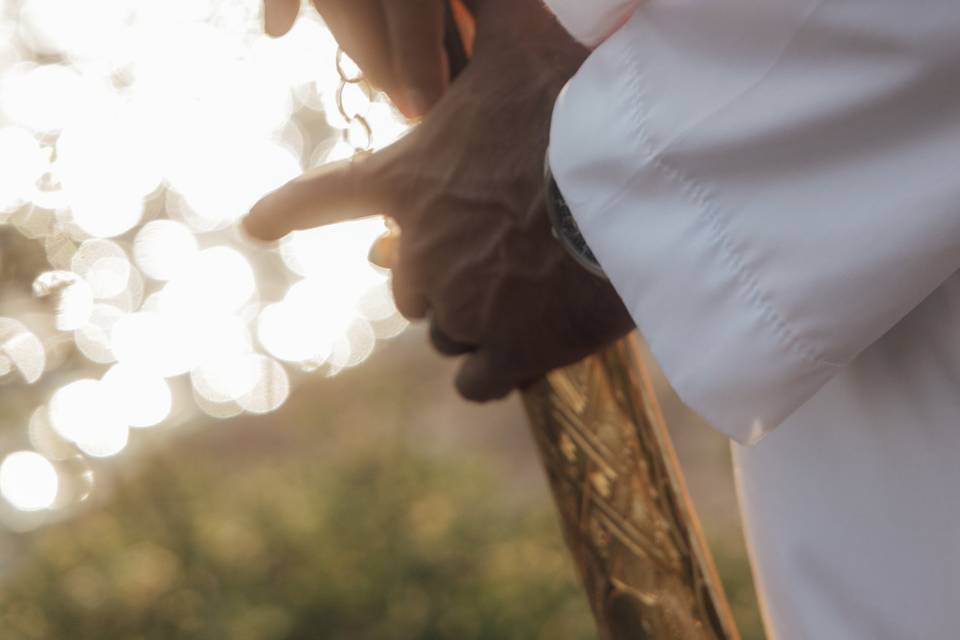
column 205, row 438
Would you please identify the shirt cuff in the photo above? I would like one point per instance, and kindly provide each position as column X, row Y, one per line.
column 658, row 236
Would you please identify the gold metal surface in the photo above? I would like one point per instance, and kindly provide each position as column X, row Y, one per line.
column 624, row 508
column 623, row 505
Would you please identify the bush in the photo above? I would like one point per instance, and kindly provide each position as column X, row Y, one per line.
column 375, row 545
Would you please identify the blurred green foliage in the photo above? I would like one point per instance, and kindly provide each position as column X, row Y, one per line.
column 405, row 547
column 376, row 541
column 734, row 569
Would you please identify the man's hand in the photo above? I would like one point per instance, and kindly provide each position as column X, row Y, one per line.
column 397, row 43
column 466, row 187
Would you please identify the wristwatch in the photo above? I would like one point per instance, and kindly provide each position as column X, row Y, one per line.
column 565, row 228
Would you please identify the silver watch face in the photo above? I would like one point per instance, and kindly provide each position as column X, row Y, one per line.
column 565, row 228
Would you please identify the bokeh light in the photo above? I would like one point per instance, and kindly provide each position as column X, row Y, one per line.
column 271, row 389
column 45, row 440
column 216, row 281
column 83, row 412
column 28, row 481
column 104, row 265
column 226, row 378
column 144, row 400
column 148, row 342
column 133, row 139
column 292, row 336
column 163, row 249
column 20, row 349
column 94, row 339
column 73, row 294
column 23, row 162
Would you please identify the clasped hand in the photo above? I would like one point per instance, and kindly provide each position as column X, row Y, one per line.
column 476, row 254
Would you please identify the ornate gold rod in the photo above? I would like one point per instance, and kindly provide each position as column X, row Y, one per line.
column 618, row 486
column 624, row 507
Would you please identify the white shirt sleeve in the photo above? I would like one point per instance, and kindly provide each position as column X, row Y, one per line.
column 590, row 21
column 771, row 186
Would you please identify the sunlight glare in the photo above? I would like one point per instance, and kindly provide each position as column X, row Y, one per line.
column 144, row 400
column 42, row 98
column 104, row 265
column 227, row 378
column 163, row 248
column 82, row 412
column 271, row 389
column 69, row 27
column 106, row 169
column 218, row 280
column 45, row 440
column 338, row 248
column 28, row 481
column 150, row 342
column 93, row 339
column 362, row 341
column 292, row 336
column 73, row 295
column 217, row 410
column 22, row 348
column 133, row 138
column 220, row 182
column 23, row 163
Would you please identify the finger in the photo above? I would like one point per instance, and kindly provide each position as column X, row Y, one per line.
column 481, row 379
column 333, row 193
column 447, row 345
column 279, row 16
column 383, row 253
column 361, row 29
column 416, row 30
column 410, row 299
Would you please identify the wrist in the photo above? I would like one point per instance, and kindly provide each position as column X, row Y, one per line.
column 565, row 228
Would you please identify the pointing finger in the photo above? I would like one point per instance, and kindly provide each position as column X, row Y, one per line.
column 333, row 193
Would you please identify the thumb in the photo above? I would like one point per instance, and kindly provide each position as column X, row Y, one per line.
column 279, row 16
column 332, row 193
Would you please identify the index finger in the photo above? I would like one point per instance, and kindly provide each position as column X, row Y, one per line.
column 333, row 193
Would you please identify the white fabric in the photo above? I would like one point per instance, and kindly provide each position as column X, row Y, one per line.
column 590, row 21
column 773, row 187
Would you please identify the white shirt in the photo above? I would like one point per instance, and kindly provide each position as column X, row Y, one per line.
column 773, row 187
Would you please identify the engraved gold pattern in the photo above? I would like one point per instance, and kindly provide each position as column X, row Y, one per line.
column 623, row 505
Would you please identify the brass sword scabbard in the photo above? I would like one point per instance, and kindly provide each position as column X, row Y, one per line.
column 624, row 507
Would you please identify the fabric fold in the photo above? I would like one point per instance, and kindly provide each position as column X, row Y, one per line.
column 748, row 181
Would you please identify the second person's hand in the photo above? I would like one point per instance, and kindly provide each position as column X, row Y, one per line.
column 397, row 43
